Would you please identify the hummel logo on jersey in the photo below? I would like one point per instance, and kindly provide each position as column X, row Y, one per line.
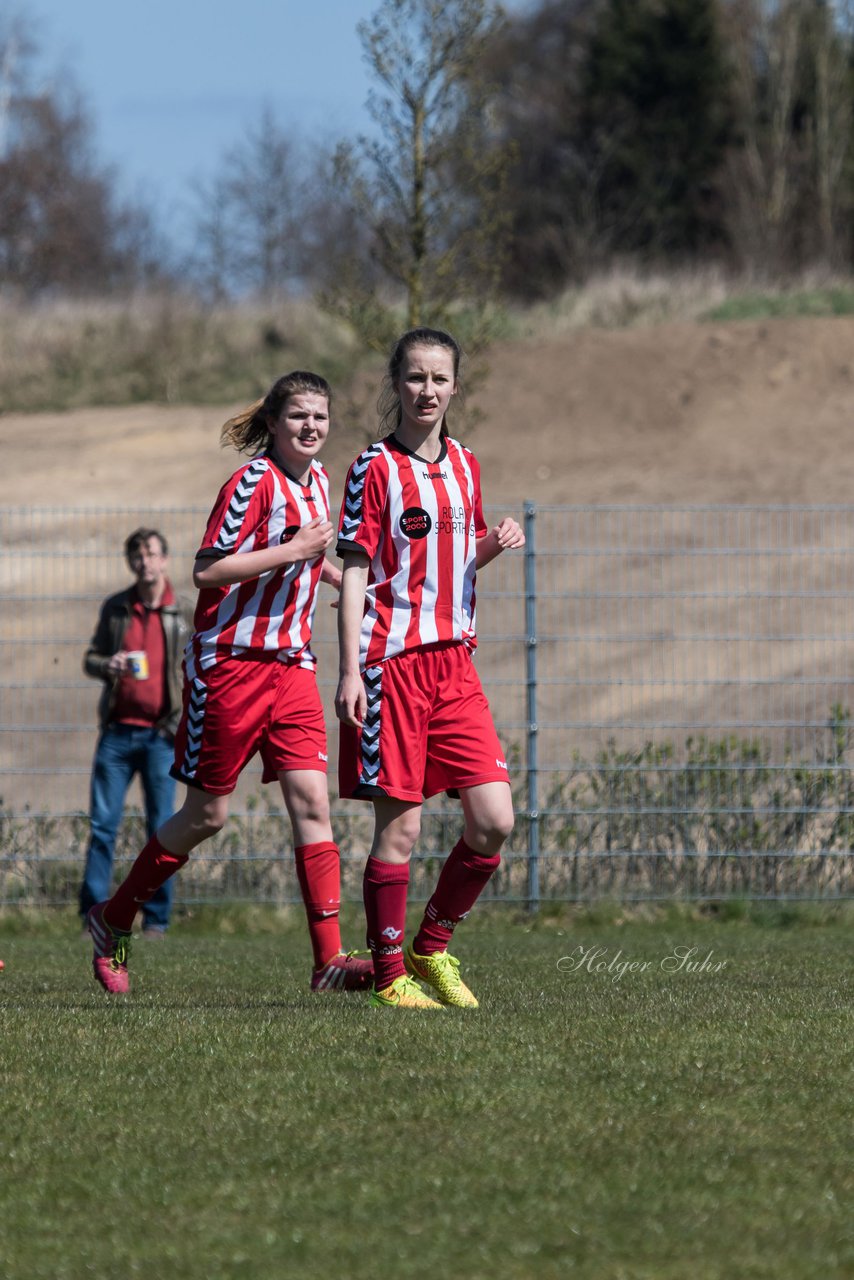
column 391, row 933
column 434, row 475
column 322, row 757
column 416, row 522
column 502, row 764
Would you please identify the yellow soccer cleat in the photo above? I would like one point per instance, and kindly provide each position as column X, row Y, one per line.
column 402, row 994
column 441, row 972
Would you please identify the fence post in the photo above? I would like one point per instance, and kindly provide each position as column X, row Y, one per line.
column 533, row 811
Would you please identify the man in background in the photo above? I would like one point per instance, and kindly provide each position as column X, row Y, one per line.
column 136, row 651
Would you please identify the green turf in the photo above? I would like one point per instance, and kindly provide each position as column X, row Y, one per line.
column 222, row 1122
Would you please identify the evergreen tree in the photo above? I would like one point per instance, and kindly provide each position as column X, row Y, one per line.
column 535, row 63
column 656, row 121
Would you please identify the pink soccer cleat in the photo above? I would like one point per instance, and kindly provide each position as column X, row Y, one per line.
column 344, row 972
column 110, row 962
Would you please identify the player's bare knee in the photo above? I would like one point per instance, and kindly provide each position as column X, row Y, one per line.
column 309, row 811
column 504, row 826
column 409, row 830
column 307, row 801
column 491, row 832
column 401, row 838
column 211, row 819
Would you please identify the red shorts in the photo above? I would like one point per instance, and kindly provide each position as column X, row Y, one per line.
column 427, row 728
column 243, row 705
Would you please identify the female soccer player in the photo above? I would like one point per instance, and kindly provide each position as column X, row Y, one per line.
column 249, row 679
column 415, row 720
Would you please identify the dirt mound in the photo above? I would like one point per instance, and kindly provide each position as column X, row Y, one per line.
column 741, row 413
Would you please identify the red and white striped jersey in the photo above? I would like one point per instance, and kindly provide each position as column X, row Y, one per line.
column 259, row 507
column 418, row 522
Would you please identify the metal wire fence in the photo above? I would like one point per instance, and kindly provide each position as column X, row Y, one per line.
column 672, row 686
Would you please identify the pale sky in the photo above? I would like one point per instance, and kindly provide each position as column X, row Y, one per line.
column 170, row 84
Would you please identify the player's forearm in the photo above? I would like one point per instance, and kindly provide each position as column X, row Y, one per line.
column 488, row 547
column 507, row 535
column 351, row 607
column 331, row 574
column 224, row 571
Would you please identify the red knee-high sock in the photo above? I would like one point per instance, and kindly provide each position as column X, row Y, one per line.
column 152, row 868
column 384, row 888
column 463, row 878
column 319, row 875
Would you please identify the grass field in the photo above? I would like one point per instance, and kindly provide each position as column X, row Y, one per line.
column 587, row 1121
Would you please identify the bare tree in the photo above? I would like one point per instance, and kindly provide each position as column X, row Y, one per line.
column 786, row 176
column 210, row 262
column 61, row 223
column 252, row 225
column 425, row 190
column 16, row 46
column 829, row 38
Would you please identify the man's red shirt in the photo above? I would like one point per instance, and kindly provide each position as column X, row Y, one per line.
column 143, row 702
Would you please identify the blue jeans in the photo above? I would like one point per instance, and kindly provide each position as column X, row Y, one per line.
column 122, row 751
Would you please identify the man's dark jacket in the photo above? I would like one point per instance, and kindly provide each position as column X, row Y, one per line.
column 177, row 621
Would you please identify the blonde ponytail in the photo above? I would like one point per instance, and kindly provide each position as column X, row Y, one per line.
column 247, row 429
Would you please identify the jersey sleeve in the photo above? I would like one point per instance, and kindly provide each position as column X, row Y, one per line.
column 360, row 523
column 241, row 505
column 480, row 526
